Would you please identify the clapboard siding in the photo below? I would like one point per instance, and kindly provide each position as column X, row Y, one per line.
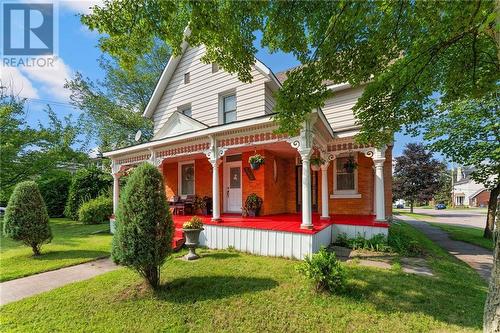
column 204, row 90
column 270, row 102
column 338, row 109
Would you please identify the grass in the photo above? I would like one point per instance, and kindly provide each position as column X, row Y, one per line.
column 416, row 216
column 467, row 234
column 237, row 292
column 73, row 243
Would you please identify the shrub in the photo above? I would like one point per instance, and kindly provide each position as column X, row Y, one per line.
column 376, row 243
column 96, row 210
column 402, row 242
column 54, row 188
column 144, row 226
column 193, row 223
column 88, row 183
column 26, row 218
column 324, row 270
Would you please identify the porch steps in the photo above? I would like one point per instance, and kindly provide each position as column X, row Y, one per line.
column 178, row 239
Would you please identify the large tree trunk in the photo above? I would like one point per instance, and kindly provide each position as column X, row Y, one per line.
column 492, row 209
column 411, row 206
column 492, row 307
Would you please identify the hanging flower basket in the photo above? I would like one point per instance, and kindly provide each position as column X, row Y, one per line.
column 256, row 161
column 316, row 163
column 350, row 165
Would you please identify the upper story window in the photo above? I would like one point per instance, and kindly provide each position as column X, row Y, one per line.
column 215, row 67
column 187, row 78
column 229, row 108
column 185, row 110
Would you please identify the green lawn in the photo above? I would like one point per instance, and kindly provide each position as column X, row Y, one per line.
column 465, row 234
column 237, row 292
column 73, row 243
column 416, row 216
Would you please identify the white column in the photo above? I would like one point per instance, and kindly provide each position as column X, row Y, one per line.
column 325, row 214
column 305, row 154
column 378, row 160
column 116, row 192
column 214, row 154
column 374, row 191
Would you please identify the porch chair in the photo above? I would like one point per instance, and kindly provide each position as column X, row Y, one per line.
column 179, row 206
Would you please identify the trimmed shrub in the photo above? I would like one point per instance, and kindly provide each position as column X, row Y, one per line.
column 88, row 183
column 54, row 188
column 96, row 210
column 144, row 227
column 376, row 243
column 26, row 218
column 324, row 270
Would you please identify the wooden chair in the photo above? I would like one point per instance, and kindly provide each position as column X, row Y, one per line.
column 179, row 206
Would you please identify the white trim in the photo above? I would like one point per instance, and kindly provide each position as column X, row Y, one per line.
column 345, row 193
column 179, row 177
column 225, row 183
column 201, row 133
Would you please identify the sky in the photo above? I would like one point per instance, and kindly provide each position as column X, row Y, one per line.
column 78, row 52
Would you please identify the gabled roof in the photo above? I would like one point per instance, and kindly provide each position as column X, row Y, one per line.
column 178, row 123
column 169, row 70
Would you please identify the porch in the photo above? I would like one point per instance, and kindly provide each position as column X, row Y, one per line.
column 281, row 235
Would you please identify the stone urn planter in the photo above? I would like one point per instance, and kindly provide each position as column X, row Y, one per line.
column 192, row 241
column 192, row 230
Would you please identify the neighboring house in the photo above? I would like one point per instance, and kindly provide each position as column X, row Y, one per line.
column 207, row 124
column 466, row 192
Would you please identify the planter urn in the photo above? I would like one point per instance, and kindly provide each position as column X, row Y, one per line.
column 192, row 241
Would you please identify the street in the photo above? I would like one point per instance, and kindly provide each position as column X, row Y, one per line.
column 463, row 217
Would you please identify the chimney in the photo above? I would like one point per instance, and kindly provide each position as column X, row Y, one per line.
column 459, row 174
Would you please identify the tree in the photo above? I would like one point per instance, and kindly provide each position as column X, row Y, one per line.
column 143, row 237
column 27, row 151
column 87, row 184
column 113, row 107
column 416, row 175
column 54, row 187
column 405, row 51
column 472, row 140
column 443, row 195
column 26, row 218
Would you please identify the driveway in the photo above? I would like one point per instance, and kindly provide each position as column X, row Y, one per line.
column 463, row 217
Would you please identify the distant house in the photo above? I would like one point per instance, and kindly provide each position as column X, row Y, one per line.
column 466, row 192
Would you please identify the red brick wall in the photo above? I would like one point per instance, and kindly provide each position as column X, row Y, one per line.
column 170, row 179
column 482, row 198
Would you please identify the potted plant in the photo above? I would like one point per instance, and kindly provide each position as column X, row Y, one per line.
column 199, row 206
column 256, row 161
column 253, row 204
column 350, row 165
column 192, row 230
column 316, row 162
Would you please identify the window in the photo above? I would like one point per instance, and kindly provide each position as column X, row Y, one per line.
column 187, row 78
column 215, row 68
column 229, row 109
column 345, row 178
column 186, row 175
column 185, row 110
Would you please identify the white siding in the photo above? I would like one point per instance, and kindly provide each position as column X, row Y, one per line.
column 338, row 109
column 204, row 89
column 353, row 231
column 270, row 102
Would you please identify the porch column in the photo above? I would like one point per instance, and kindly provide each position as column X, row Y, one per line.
column 325, row 214
column 214, row 154
column 116, row 192
column 305, row 154
column 378, row 161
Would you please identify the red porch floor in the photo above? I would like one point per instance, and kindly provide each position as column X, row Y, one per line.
column 282, row 222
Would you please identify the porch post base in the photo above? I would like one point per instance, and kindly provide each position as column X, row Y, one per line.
column 325, row 218
column 380, row 220
column 218, row 219
column 306, row 226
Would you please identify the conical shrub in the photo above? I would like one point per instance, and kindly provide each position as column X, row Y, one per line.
column 143, row 238
column 26, row 218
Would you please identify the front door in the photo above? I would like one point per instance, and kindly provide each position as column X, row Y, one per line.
column 232, row 187
column 298, row 189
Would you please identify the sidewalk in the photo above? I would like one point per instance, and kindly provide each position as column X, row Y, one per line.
column 475, row 256
column 17, row 289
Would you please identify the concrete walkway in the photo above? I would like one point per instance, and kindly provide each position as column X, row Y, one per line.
column 475, row 256
column 14, row 290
